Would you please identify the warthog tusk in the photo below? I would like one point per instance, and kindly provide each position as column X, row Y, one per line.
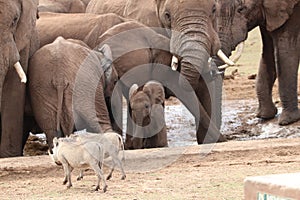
column 174, row 63
column 236, row 57
column 225, row 58
column 20, row 72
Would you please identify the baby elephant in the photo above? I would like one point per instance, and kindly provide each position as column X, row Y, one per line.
column 73, row 154
column 111, row 142
column 146, row 108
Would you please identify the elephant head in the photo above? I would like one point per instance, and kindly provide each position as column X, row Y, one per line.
column 193, row 37
column 237, row 18
column 17, row 25
column 147, row 112
column 18, row 42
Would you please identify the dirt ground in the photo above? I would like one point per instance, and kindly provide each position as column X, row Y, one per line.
column 217, row 175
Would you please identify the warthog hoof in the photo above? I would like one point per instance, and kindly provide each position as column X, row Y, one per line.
column 108, row 177
column 123, row 177
column 105, row 188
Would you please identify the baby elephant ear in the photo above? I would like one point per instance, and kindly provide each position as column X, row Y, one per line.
column 106, row 62
column 133, row 90
column 106, row 50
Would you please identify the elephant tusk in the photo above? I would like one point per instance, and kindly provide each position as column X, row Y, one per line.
column 174, row 63
column 239, row 51
column 225, row 58
column 20, row 72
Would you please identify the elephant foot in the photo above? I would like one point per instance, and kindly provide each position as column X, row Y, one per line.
column 266, row 112
column 222, row 138
column 288, row 117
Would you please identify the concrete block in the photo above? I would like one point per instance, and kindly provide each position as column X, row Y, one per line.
column 273, row 187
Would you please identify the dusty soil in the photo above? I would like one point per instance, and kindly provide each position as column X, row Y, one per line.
column 189, row 175
column 218, row 174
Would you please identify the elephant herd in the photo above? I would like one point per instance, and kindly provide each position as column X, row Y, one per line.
column 79, row 57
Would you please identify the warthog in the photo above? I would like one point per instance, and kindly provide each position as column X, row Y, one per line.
column 111, row 142
column 75, row 154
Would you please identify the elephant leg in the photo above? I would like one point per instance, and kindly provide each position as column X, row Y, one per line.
column 12, row 113
column 287, row 54
column 162, row 140
column 210, row 97
column 266, row 78
column 129, row 131
column 50, row 134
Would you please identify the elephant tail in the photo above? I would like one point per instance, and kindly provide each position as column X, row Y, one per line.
column 60, row 96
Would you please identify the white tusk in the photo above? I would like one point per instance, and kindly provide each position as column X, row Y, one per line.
column 174, row 63
column 20, row 72
column 236, row 57
column 224, row 67
column 239, row 51
column 225, row 58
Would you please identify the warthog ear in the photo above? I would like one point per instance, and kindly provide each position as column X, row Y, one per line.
column 55, row 141
column 133, row 90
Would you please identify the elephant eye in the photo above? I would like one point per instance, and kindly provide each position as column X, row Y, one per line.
column 15, row 21
column 241, row 9
column 214, row 9
column 168, row 18
column 146, row 106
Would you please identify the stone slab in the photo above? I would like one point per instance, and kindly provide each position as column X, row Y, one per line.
column 273, row 187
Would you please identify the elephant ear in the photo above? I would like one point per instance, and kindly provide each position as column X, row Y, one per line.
column 26, row 25
column 106, row 62
column 159, row 5
column 277, row 12
column 133, row 90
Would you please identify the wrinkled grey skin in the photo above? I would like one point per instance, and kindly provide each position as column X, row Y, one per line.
column 147, row 112
column 68, row 85
column 195, row 21
column 278, row 21
column 85, row 27
column 63, row 6
column 18, row 42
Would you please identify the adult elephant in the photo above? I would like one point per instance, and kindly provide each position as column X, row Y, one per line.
column 63, row 6
column 278, row 21
column 193, row 38
column 18, row 42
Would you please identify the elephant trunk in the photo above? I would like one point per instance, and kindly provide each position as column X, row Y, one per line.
column 9, row 58
column 194, row 41
column 195, row 47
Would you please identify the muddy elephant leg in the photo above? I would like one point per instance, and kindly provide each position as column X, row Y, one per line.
column 162, row 140
column 129, row 132
column 287, row 65
column 12, row 113
column 266, row 78
column 115, row 109
column 210, row 96
column 29, row 124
